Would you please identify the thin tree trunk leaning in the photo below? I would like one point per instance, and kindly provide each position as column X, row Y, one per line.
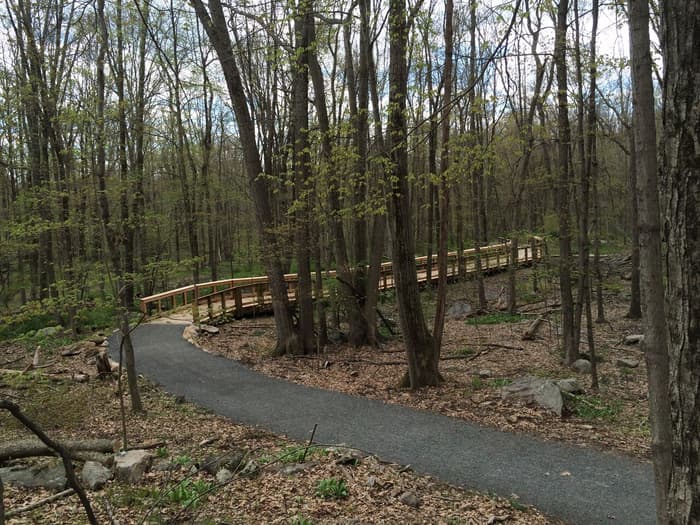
column 651, row 275
column 443, row 231
column 422, row 362
column 681, row 167
column 215, row 24
column 126, row 351
column 65, row 455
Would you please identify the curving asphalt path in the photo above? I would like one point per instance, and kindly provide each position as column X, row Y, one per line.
column 577, row 485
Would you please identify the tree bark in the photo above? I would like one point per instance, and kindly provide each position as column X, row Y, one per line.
column 422, row 362
column 681, row 168
column 564, row 139
column 29, row 448
column 635, row 311
column 302, row 173
column 444, row 191
column 653, row 311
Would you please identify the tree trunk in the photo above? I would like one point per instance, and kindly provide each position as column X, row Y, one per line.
column 564, row 139
column 302, row 174
column 214, row 22
column 635, row 311
column 444, row 191
column 651, row 280
column 422, row 362
column 681, row 168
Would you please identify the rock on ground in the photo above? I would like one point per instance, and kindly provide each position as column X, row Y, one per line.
column 410, row 498
column 541, row 391
column 130, row 466
column 459, row 310
column 582, row 366
column 633, row 339
column 48, row 331
column 569, row 385
column 208, row 329
column 94, row 475
column 626, row 362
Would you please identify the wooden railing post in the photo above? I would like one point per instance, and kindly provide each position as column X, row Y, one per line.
column 260, row 293
column 238, row 299
column 195, row 304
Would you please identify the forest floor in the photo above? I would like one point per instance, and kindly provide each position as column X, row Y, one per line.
column 326, row 488
column 488, row 353
column 481, row 355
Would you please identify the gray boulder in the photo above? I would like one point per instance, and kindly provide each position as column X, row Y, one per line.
column 569, row 385
column 208, row 329
column 633, row 339
column 626, row 362
column 48, row 331
column 94, row 475
column 538, row 390
column 582, row 366
column 459, row 310
column 130, row 466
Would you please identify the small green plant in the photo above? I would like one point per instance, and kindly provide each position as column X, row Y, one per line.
column 591, row 407
column 466, row 351
column 500, row 382
column 516, row 505
column 300, row 520
column 183, row 460
column 292, row 454
column 477, row 383
column 332, row 488
column 189, row 493
column 162, row 452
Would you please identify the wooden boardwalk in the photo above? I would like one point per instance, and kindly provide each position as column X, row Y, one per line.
column 248, row 296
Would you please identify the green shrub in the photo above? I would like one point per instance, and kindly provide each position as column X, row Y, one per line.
column 591, row 407
column 183, row 460
column 189, row 493
column 332, row 488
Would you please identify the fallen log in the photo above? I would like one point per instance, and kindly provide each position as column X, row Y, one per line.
column 531, row 331
column 33, row 447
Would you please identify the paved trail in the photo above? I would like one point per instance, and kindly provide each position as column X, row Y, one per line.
column 599, row 487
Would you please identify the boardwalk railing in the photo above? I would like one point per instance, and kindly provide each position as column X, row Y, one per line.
column 250, row 295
